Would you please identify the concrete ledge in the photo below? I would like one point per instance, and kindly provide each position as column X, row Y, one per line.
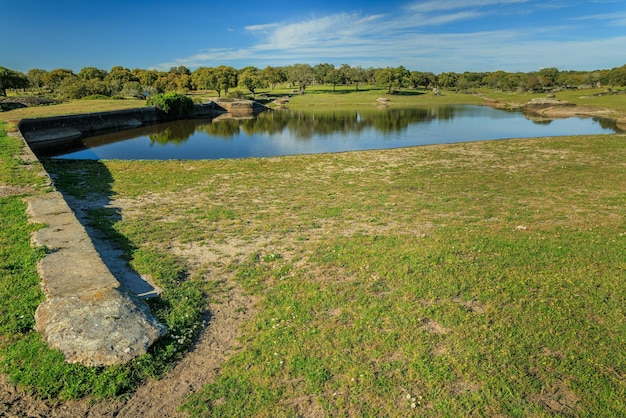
column 41, row 133
column 87, row 315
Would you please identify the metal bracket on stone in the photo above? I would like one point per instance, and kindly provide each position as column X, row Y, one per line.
column 87, row 315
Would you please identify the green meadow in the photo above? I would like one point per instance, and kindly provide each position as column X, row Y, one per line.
column 474, row 279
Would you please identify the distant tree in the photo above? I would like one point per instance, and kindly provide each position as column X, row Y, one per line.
column 181, row 70
column 274, row 76
column 322, row 72
column 73, row 88
column 91, row 73
column 335, row 77
column 202, row 78
column 117, row 77
column 76, row 88
column 54, row 78
column 226, row 78
column 447, row 80
column 133, row 89
column 354, row 75
column 177, row 79
column 35, row 76
column 252, row 79
column 548, row 76
column 617, row 76
column 219, row 79
column 421, row 79
column 10, row 79
column 302, row 75
column 393, row 77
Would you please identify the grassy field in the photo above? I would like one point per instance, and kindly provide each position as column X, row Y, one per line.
column 482, row 279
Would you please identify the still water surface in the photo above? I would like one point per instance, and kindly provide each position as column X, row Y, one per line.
column 285, row 132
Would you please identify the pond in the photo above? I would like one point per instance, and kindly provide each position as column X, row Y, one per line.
column 286, row 132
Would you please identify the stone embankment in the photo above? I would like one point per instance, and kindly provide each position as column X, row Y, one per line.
column 43, row 133
column 551, row 108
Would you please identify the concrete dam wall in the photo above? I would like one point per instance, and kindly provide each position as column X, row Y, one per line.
column 55, row 131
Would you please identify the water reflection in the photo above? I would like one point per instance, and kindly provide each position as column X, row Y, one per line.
column 285, row 132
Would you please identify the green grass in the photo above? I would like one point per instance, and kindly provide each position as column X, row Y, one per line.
column 470, row 279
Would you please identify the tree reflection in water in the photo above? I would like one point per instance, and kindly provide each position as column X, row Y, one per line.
column 303, row 124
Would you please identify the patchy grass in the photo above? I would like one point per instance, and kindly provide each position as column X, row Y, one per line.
column 478, row 278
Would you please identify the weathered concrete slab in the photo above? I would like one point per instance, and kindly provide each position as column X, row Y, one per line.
column 87, row 314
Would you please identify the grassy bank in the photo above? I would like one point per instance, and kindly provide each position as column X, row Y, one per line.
column 483, row 278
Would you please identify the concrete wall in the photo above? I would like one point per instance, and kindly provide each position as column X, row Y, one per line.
column 58, row 130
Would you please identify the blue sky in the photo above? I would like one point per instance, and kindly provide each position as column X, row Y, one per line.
column 422, row 35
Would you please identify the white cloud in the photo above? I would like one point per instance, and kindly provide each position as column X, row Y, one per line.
column 614, row 19
column 438, row 5
column 401, row 39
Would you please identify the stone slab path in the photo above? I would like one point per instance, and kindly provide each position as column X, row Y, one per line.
column 87, row 314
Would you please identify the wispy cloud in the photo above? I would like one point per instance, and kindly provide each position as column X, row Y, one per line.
column 439, row 5
column 614, row 19
column 401, row 38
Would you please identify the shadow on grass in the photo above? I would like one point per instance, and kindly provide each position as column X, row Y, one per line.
column 98, row 218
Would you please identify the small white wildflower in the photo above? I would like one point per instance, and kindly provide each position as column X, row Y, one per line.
column 408, row 396
column 413, row 405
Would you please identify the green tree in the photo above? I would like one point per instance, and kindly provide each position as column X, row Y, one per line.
column 393, row 77
column 548, row 77
column 302, row 75
column 322, row 72
column 204, row 78
column 617, row 76
column 10, row 79
column 147, row 78
column 225, row 78
column 219, row 79
column 91, row 73
column 54, row 78
column 252, row 79
column 133, row 89
column 117, row 77
column 35, row 77
column 447, row 80
column 181, row 70
column 274, row 76
column 335, row 77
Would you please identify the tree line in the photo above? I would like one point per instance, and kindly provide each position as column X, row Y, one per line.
column 123, row 82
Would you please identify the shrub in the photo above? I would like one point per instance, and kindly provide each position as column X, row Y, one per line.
column 174, row 104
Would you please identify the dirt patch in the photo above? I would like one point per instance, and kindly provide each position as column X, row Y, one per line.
column 7, row 191
column 558, row 399
column 434, row 327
